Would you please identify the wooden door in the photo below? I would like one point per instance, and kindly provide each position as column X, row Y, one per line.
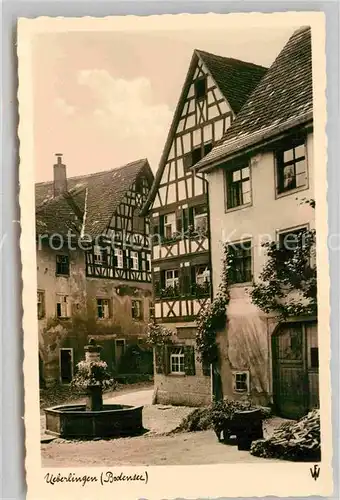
column 290, row 380
column 66, row 365
column 312, row 365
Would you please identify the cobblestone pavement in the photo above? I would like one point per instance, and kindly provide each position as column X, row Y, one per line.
column 155, row 447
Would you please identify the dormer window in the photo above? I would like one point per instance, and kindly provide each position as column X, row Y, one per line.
column 200, row 88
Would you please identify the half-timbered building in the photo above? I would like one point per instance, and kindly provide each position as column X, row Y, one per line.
column 214, row 91
column 93, row 265
column 259, row 176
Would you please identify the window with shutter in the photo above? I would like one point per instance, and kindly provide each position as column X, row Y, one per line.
column 177, row 362
column 186, row 280
column 157, row 283
column 185, row 219
column 179, row 221
column 161, row 362
column 189, row 360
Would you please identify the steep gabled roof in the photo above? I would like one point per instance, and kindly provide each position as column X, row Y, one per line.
column 235, row 80
column 90, row 201
column 283, row 99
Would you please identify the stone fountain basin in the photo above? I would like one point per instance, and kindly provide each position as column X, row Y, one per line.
column 74, row 421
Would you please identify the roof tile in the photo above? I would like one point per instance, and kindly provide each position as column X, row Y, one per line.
column 283, row 98
column 103, row 192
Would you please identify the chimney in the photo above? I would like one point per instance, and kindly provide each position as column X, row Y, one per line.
column 59, row 178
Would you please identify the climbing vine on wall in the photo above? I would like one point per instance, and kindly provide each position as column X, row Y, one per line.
column 158, row 334
column 287, row 285
column 213, row 318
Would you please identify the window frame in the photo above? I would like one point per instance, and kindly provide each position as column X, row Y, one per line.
column 200, row 216
column 134, row 256
column 200, row 96
column 42, row 302
column 291, row 230
column 119, row 257
column 139, row 317
column 280, row 150
column 228, row 173
column 237, row 244
column 105, row 302
column 68, row 306
column 100, row 255
column 174, row 278
column 59, row 272
column 179, row 359
column 171, row 225
column 148, row 262
column 245, row 373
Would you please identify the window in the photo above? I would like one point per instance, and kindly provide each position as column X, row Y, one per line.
column 136, row 309
column 119, row 258
column 63, row 306
column 177, row 361
column 99, row 255
column 238, row 187
column 240, row 262
column 138, row 221
column 169, row 225
column 291, row 166
column 200, row 281
column 171, row 278
column 200, row 88
column 201, row 219
column 241, row 381
column 151, row 309
column 103, row 309
column 289, row 241
column 134, row 261
column 148, row 262
column 41, row 304
column 62, row 265
column 202, row 274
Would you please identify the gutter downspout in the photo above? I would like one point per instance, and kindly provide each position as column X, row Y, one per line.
column 214, row 371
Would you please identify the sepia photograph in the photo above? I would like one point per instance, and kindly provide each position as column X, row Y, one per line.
column 176, row 259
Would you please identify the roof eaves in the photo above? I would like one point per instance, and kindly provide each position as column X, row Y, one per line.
column 239, row 145
column 168, row 142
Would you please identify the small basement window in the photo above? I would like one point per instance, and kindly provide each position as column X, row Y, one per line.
column 241, row 381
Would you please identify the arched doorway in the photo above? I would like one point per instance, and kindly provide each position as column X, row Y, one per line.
column 295, row 369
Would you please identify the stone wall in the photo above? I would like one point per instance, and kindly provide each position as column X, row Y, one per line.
column 186, row 390
column 82, row 322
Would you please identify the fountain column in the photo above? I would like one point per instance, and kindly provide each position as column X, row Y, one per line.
column 94, row 392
